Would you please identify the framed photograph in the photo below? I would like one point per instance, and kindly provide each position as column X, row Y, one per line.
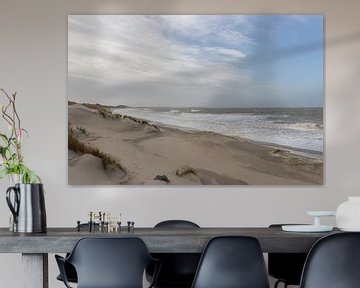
column 195, row 99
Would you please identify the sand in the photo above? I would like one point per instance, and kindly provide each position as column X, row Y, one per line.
column 160, row 155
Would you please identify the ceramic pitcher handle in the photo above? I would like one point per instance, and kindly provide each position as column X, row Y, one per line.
column 13, row 208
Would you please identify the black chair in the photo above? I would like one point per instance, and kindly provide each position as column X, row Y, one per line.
column 176, row 224
column 108, row 263
column 232, row 262
column 70, row 273
column 286, row 267
column 333, row 262
column 69, row 269
column 178, row 269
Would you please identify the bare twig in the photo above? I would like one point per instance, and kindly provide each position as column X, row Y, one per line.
column 15, row 124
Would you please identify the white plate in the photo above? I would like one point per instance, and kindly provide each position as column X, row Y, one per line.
column 306, row 228
column 321, row 213
column 350, row 229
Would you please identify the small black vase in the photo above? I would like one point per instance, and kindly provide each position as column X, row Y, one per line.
column 28, row 208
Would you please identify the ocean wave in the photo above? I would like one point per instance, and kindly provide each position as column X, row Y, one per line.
column 300, row 132
column 305, row 126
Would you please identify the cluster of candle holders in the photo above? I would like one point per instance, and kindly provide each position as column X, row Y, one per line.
column 104, row 222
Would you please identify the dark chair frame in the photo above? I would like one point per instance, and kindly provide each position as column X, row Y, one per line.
column 70, row 271
column 62, row 262
column 221, row 253
column 286, row 267
column 178, row 269
column 333, row 262
column 176, row 224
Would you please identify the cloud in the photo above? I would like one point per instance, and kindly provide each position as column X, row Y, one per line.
column 120, row 50
column 303, row 19
column 230, row 53
column 176, row 60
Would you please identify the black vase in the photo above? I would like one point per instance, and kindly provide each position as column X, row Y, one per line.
column 28, row 208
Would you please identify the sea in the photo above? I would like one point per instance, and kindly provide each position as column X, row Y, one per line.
column 298, row 128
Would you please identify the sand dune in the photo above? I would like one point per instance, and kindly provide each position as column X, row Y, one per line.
column 154, row 155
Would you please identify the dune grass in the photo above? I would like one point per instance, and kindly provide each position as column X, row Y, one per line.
column 76, row 145
column 107, row 113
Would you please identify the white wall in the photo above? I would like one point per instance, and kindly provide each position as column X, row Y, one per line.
column 33, row 62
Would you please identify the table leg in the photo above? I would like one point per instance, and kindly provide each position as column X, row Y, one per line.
column 35, row 270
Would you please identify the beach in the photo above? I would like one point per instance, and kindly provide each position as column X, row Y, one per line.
column 107, row 148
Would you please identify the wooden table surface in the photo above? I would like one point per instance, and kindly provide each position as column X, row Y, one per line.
column 35, row 247
column 158, row 240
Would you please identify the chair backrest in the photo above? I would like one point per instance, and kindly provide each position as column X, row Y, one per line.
column 333, row 262
column 176, row 224
column 110, row 262
column 286, row 266
column 232, row 262
column 177, row 268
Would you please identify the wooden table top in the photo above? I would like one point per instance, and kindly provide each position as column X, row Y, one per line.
column 158, row 240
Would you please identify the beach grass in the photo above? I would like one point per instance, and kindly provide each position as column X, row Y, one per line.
column 76, row 145
column 107, row 113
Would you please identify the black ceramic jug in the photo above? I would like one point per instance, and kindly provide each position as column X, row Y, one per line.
column 28, row 208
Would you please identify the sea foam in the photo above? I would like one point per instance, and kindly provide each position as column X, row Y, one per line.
column 300, row 128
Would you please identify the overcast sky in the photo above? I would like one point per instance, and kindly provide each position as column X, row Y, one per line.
column 196, row 61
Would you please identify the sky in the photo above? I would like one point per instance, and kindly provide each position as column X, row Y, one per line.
column 196, row 60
